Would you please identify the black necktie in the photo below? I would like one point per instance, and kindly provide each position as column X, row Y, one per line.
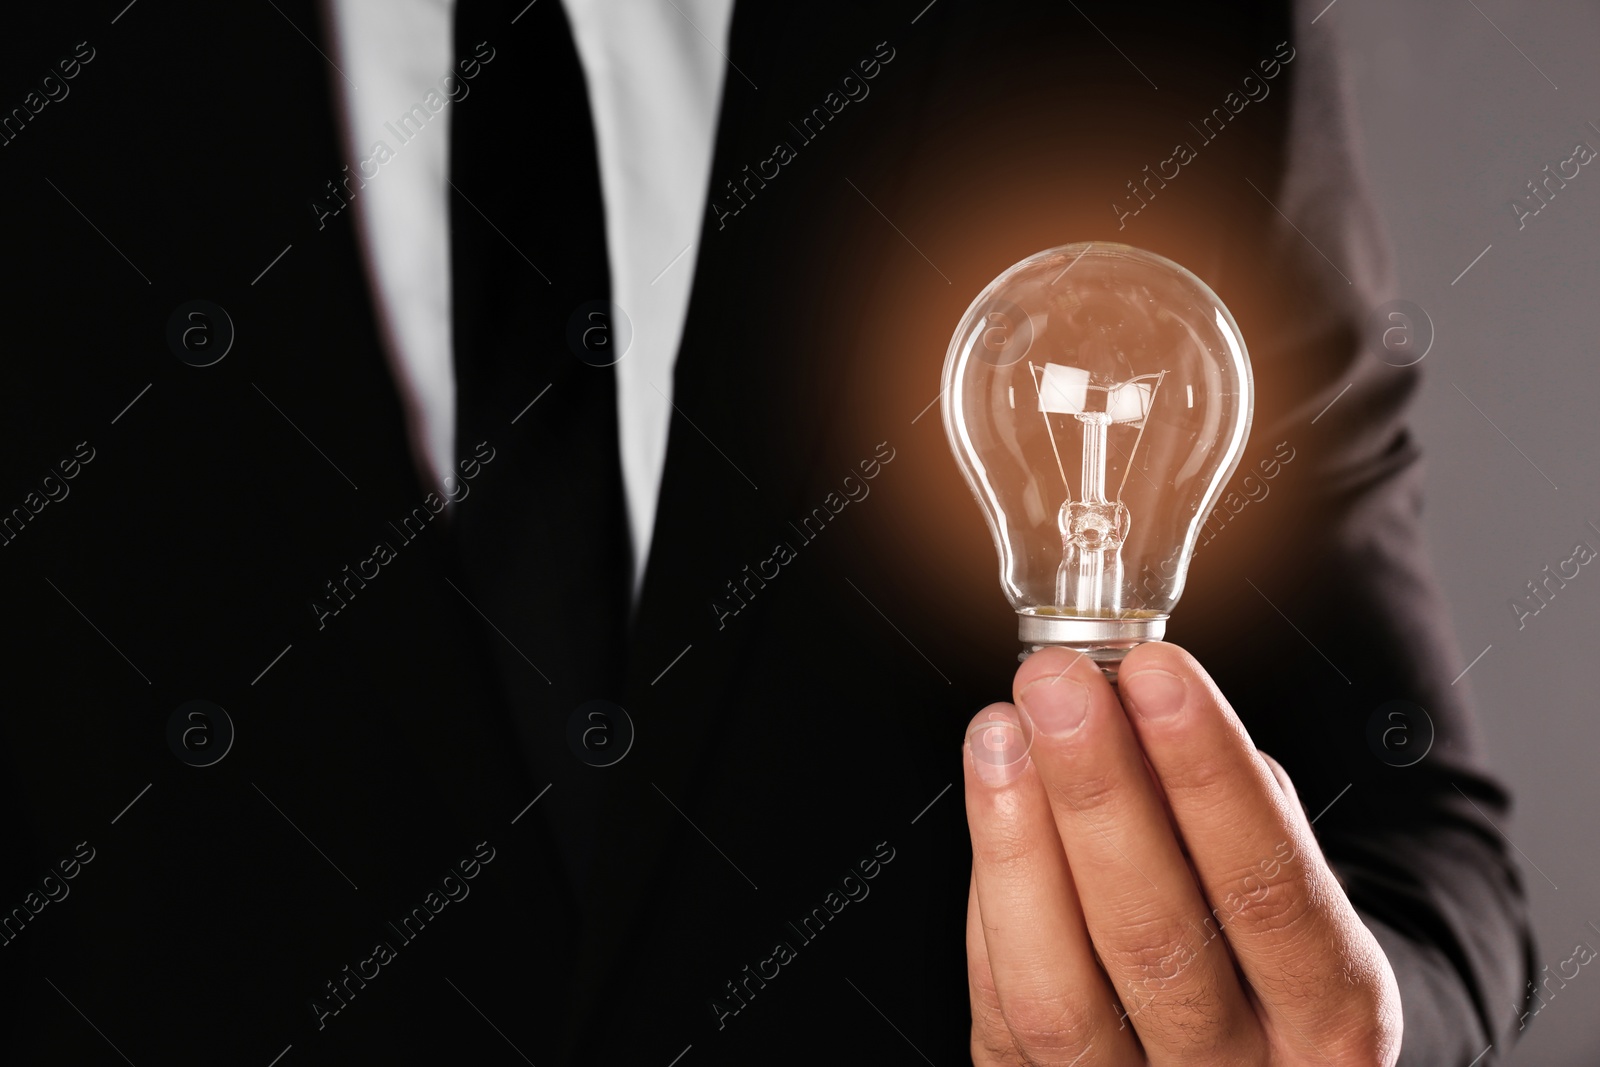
column 542, row 536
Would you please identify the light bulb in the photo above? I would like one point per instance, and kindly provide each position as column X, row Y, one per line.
column 1097, row 398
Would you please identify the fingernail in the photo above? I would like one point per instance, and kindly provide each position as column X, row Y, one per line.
column 1154, row 695
column 999, row 748
column 1056, row 705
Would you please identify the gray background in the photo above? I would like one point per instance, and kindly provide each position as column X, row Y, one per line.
column 1456, row 121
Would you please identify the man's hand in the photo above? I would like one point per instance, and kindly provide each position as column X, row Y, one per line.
column 1146, row 887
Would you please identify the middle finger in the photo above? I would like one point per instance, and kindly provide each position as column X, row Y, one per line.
column 1145, row 913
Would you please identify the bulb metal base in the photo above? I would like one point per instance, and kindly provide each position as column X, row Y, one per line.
column 1103, row 640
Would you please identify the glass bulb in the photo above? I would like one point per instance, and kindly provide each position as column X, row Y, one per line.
column 1097, row 397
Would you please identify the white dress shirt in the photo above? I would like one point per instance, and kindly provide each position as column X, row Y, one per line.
column 654, row 72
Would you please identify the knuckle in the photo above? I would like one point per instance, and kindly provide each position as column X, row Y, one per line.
column 1195, row 1023
column 1085, row 793
column 1170, row 988
column 1268, row 908
column 1005, row 847
column 1199, row 776
column 1280, row 910
column 991, row 1041
column 1150, row 953
column 1050, row 1032
column 1370, row 1016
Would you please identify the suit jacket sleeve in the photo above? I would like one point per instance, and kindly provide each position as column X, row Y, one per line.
column 1339, row 652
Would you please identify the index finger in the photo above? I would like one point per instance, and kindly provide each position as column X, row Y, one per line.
column 1316, row 969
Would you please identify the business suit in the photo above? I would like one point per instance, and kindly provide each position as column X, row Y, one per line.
column 791, row 729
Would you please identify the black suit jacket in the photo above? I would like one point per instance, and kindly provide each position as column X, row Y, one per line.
column 781, row 862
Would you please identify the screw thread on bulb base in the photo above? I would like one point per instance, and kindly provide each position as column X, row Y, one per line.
column 1105, row 641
